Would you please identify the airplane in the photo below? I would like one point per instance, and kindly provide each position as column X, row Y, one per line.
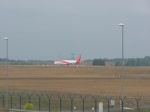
column 68, row 62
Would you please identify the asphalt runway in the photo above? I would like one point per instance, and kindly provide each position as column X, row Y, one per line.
column 61, row 78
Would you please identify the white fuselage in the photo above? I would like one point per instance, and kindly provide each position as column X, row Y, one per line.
column 65, row 62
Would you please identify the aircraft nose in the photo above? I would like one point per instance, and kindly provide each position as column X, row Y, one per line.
column 55, row 62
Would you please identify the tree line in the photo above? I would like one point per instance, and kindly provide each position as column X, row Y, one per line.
column 24, row 62
column 96, row 62
column 127, row 62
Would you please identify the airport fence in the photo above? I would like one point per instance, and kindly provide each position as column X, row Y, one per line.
column 69, row 102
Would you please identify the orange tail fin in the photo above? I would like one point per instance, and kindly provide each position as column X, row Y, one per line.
column 78, row 59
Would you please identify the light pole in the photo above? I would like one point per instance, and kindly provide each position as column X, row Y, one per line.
column 122, row 87
column 6, row 103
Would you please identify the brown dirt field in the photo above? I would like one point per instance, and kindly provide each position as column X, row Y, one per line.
column 84, row 80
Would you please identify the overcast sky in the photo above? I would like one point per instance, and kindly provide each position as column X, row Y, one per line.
column 53, row 29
